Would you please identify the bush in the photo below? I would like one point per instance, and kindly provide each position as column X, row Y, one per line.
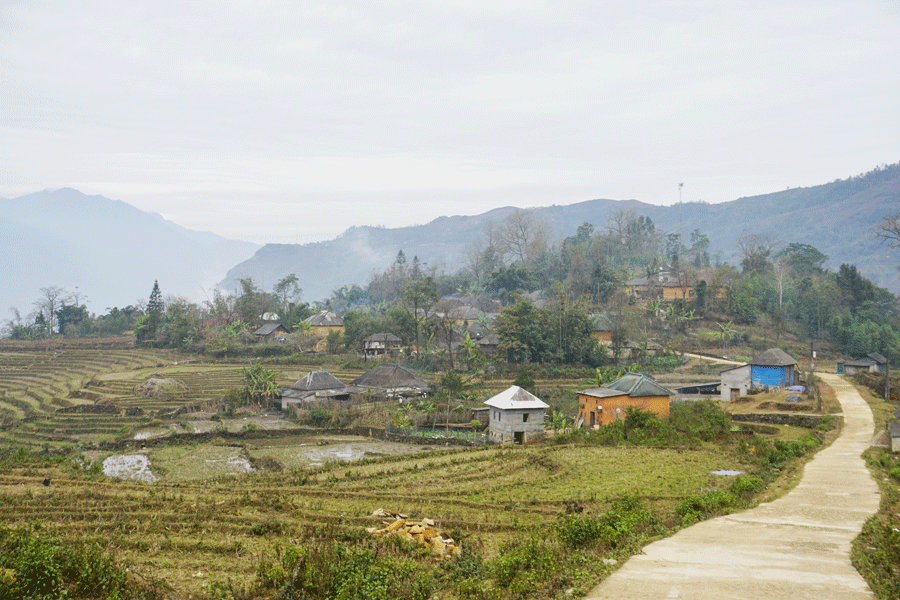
column 745, row 486
column 624, row 525
column 698, row 508
column 704, row 420
column 47, row 567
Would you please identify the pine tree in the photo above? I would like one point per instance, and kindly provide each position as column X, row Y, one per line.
column 154, row 310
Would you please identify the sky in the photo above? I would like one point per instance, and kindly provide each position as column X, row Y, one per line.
column 290, row 121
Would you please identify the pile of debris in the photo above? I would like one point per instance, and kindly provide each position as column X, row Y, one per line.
column 422, row 532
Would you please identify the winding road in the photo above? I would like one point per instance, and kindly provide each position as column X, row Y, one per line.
column 795, row 547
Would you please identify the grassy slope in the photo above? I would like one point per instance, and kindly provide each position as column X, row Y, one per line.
column 196, row 533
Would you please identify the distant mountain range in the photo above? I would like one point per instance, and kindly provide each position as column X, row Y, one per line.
column 838, row 218
column 110, row 250
column 113, row 251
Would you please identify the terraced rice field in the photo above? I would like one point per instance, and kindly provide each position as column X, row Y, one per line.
column 38, row 380
column 196, row 533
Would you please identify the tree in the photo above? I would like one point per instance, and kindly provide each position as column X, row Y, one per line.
column 521, row 338
column 70, row 317
column 288, row 292
column 699, row 249
column 524, row 237
column 803, row 259
column 253, row 303
column 755, row 250
column 48, row 304
column 888, row 231
column 154, row 313
column 259, row 385
column 419, row 297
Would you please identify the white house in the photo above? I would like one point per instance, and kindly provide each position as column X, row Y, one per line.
column 516, row 416
column 734, row 382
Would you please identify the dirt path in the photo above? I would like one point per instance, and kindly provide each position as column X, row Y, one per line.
column 795, row 547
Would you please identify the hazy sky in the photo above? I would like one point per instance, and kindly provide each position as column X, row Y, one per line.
column 290, row 121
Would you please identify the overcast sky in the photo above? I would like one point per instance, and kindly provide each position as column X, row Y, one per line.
column 290, row 121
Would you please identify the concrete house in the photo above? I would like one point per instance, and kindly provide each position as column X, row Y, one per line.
column 516, row 416
column 735, row 382
column 852, row 367
column 606, row 404
column 871, row 363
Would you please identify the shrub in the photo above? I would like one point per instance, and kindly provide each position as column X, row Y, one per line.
column 746, row 485
column 703, row 419
column 47, row 567
column 698, row 508
column 625, row 524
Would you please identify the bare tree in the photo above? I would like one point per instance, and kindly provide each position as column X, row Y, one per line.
column 889, row 230
column 755, row 250
column 52, row 298
column 524, row 237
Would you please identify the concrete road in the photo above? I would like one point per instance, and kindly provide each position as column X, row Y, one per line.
column 793, row 548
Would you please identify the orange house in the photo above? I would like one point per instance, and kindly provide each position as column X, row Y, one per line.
column 604, row 405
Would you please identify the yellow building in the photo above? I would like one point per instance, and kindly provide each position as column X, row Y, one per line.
column 670, row 286
column 321, row 324
column 604, row 405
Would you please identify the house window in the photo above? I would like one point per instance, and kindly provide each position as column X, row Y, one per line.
column 524, row 417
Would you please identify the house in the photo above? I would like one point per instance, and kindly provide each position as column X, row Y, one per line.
column 852, row 367
column 313, row 387
column 879, row 360
column 671, row 286
column 516, row 416
column 871, row 363
column 392, row 381
column 601, row 328
column 734, row 382
column 774, row 367
column 489, row 344
column 271, row 331
column 321, row 324
column 606, row 404
column 382, row 344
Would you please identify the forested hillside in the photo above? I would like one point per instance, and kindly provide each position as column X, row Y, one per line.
column 838, row 218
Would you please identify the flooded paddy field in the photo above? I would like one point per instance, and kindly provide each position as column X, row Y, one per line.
column 218, row 458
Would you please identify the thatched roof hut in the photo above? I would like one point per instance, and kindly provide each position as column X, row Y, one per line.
column 314, row 386
column 392, row 380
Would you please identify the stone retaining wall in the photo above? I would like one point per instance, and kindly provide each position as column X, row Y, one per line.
column 808, row 421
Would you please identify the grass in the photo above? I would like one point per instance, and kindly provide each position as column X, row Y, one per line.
column 211, row 533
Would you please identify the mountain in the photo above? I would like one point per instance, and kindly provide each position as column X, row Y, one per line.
column 838, row 218
column 110, row 250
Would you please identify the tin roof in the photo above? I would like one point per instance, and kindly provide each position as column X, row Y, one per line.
column 632, row 384
column 516, row 398
column 324, row 318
